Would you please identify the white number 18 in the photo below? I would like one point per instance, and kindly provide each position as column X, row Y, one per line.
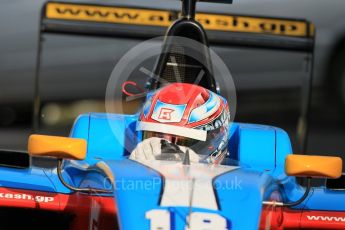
column 160, row 220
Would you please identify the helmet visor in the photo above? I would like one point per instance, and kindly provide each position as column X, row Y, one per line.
column 211, row 145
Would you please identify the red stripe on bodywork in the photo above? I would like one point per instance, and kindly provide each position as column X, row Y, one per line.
column 285, row 218
column 81, row 206
column 323, row 220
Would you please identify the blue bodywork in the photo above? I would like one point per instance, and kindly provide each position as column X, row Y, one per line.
column 260, row 151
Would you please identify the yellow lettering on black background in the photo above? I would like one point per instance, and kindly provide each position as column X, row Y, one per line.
column 145, row 17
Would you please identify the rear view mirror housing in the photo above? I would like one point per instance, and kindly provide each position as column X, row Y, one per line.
column 310, row 167
column 58, row 147
column 61, row 148
column 313, row 166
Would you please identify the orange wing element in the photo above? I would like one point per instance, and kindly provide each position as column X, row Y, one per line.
column 313, row 166
column 59, row 147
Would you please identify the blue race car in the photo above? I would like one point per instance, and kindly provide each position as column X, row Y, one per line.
column 99, row 183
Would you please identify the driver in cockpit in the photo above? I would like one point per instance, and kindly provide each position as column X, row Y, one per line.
column 181, row 118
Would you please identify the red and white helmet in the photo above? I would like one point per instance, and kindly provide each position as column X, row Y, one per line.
column 188, row 115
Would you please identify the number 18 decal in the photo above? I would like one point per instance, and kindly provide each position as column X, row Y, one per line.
column 160, row 220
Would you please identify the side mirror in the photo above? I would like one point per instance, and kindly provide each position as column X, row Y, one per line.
column 59, row 147
column 310, row 167
column 313, row 166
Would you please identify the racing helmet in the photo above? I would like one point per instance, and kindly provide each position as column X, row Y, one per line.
column 188, row 115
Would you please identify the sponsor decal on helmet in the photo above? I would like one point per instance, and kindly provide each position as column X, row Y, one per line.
column 165, row 113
